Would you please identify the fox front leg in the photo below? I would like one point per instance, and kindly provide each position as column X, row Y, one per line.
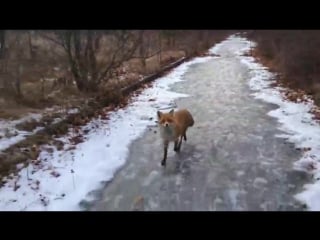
column 165, row 152
column 176, row 142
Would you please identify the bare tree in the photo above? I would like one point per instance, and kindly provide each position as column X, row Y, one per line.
column 148, row 46
column 93, row 54
column 31, row 47
column 11, row 67
column 2, row 43
column 170, row 36
column 160, row 47
column 142, row 50
column 18, row 65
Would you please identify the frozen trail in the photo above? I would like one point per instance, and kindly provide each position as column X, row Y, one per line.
column 232, row 160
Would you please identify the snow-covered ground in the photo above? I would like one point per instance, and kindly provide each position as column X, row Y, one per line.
column 10, row 135
column 61, row 179
column 296, row 121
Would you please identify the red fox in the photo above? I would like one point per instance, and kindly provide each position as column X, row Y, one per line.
column 174, row 125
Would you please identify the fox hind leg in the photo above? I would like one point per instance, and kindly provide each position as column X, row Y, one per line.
column 176, row 143
column 179, row 145
column 185, row 134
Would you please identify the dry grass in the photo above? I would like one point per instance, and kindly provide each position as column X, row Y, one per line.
column 293, row 53
column 37, row 94
column 50, row 62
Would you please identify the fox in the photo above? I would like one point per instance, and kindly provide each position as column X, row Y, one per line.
column 173, row 128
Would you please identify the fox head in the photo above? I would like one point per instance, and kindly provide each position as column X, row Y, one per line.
column 166, row 119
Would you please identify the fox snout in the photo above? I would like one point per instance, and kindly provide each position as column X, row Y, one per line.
column 165, row 125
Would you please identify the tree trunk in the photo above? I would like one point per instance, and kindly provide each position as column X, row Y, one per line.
column 18, row 80
column 32, row 53
column 2, row 43
column 160, row 49
column 42, row 88
column 70, row 40
column 142, row 52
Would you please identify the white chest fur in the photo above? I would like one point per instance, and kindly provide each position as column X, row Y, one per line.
column 167, row 133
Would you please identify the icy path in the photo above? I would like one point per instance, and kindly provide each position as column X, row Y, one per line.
column 235, row 158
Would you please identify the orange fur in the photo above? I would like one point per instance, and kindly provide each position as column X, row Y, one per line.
column 174, row 125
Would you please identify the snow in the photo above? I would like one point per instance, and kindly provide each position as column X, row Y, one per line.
column 311, row 196
column 295, row 120
column 234, row 45
column 63, row 178
column 15, row 135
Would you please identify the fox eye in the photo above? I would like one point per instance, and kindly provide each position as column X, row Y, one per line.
column 170, row 120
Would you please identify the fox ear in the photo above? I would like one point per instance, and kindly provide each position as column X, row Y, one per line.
column 159, row 114
column 171, row 112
